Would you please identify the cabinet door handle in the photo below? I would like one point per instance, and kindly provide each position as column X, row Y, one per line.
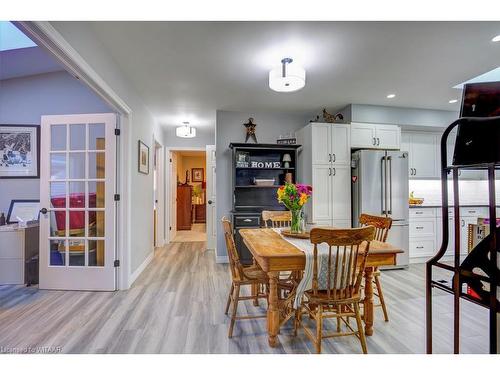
column 329, row 158
column 334, row 158
column 415, row 169
column 378, row 141
column 374, row 142
column 419, row 227
column 463, row 223
column 329, row 171
column 247, row 220
column 334, row 171
column 418, row 213
column 420, row 247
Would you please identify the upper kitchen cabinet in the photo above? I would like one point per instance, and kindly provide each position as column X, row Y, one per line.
column 330, row 143
column 375, row 136
column 423, row 151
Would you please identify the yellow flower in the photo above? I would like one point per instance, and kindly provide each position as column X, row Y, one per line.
column 303, row 199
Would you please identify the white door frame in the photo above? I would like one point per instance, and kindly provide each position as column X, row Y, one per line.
column 48, row 38
column 168, row 184
column 160, row 192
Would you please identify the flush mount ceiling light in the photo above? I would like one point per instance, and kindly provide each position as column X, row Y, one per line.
column 288, row 77
column 496, row 39
column 452, row 101
column 185, row 131
column 391, row 96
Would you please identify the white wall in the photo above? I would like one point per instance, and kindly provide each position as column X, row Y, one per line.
column 141, row 126
column 25, row 100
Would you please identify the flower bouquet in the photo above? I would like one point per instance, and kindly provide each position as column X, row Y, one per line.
column 294, row 197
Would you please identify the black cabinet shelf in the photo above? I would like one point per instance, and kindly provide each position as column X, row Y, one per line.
column 249, row 200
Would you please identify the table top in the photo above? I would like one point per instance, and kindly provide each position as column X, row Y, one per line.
column 273, row 253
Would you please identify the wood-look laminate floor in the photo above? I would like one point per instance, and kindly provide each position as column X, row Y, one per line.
column 176, row 306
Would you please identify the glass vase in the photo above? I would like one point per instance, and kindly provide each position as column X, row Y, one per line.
column 296, row 226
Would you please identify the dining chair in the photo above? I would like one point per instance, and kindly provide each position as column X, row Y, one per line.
column 277, row 219
column 241, row 276
column 336, row 281
column 382, row 226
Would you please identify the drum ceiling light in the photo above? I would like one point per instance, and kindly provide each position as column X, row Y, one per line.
column 185, row 131
column 288, row 77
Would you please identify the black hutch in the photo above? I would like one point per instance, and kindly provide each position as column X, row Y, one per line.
column 258, row 170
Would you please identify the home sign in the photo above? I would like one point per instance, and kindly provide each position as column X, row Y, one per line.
column 266, row 164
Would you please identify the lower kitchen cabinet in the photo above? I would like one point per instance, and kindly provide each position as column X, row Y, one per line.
column 426, row 232
column 240, row 221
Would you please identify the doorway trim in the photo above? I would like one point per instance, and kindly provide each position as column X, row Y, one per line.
column 159, row 150
column 168, row 186
column 48, row 38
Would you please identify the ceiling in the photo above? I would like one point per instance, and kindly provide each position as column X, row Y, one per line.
column 187, row 70
column 24, row 62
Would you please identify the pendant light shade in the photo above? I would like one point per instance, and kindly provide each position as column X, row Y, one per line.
column 288, row 77
column 185, row 131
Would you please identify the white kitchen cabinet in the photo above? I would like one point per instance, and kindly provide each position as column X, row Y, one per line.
column 375, row 136
column 325, row 163
column 322, row 208
column 423, row 153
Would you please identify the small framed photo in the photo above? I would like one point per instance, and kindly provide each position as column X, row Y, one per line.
column 143, row 158
column 23, row 210
column 197, row 175
column 19, row 151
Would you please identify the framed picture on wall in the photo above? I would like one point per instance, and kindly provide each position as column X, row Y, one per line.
column 19, row 151
column 23, row 210
column 143, row 158
column 197, row 174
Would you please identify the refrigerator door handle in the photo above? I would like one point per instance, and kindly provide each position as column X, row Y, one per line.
column 383, row 175
column 389, row 158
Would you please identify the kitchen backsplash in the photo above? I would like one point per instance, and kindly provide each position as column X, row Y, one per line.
column 471, row 192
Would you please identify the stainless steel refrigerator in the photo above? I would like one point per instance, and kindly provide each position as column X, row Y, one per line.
column 380, row 187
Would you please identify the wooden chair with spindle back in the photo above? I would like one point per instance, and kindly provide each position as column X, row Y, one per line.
column 335, row 291
column 277, row 219
column 241, row 276
column 382, row 225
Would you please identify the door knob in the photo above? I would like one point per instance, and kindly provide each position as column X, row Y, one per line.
column 209, row 202
column 44, row 211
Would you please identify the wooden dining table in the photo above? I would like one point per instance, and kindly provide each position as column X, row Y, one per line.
column 274, row 255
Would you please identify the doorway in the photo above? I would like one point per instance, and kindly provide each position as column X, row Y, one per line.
column 188, row 196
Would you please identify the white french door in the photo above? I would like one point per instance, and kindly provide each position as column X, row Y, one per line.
column 211, row 207
column 77, row 187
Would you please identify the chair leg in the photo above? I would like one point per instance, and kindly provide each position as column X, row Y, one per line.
column 235, row 309
column 296, row 322
column 255, row 292
column 229, row 298
column 361, row 330
column 339, row 311
column 381, row 297
column 319, row 328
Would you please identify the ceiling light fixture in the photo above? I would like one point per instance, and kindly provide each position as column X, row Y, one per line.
column 391, row 96
column 452, row 101
column 288, row 77
column 496, row 39
column 185, row 131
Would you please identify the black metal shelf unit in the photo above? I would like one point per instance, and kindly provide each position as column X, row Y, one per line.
column 249, row 200
column 484, row 256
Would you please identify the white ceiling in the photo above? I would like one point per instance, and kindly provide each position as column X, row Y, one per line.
column 187, row 70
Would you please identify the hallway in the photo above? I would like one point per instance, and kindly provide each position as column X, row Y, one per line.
column 177, row 304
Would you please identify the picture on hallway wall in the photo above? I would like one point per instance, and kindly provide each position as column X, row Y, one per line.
column 19, row 151
column 197, row 174
column 143, row 158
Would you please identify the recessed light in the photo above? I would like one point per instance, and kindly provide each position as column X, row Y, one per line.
column 496, row 39
column 452, row 101
column 390, row 96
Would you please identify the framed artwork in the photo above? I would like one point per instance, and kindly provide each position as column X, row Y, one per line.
column 19, row 151
column 143, row 158
column 197, row 174
column 23, row 210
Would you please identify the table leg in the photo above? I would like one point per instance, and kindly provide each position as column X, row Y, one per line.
column 273, row 316
column 368, row 310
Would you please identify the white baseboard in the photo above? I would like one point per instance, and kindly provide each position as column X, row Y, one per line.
column 141, row 268
column 221, row 259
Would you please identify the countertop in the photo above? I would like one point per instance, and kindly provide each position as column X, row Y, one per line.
column 450, row 205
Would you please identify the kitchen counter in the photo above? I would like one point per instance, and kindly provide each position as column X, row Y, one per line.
column 450, row 205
